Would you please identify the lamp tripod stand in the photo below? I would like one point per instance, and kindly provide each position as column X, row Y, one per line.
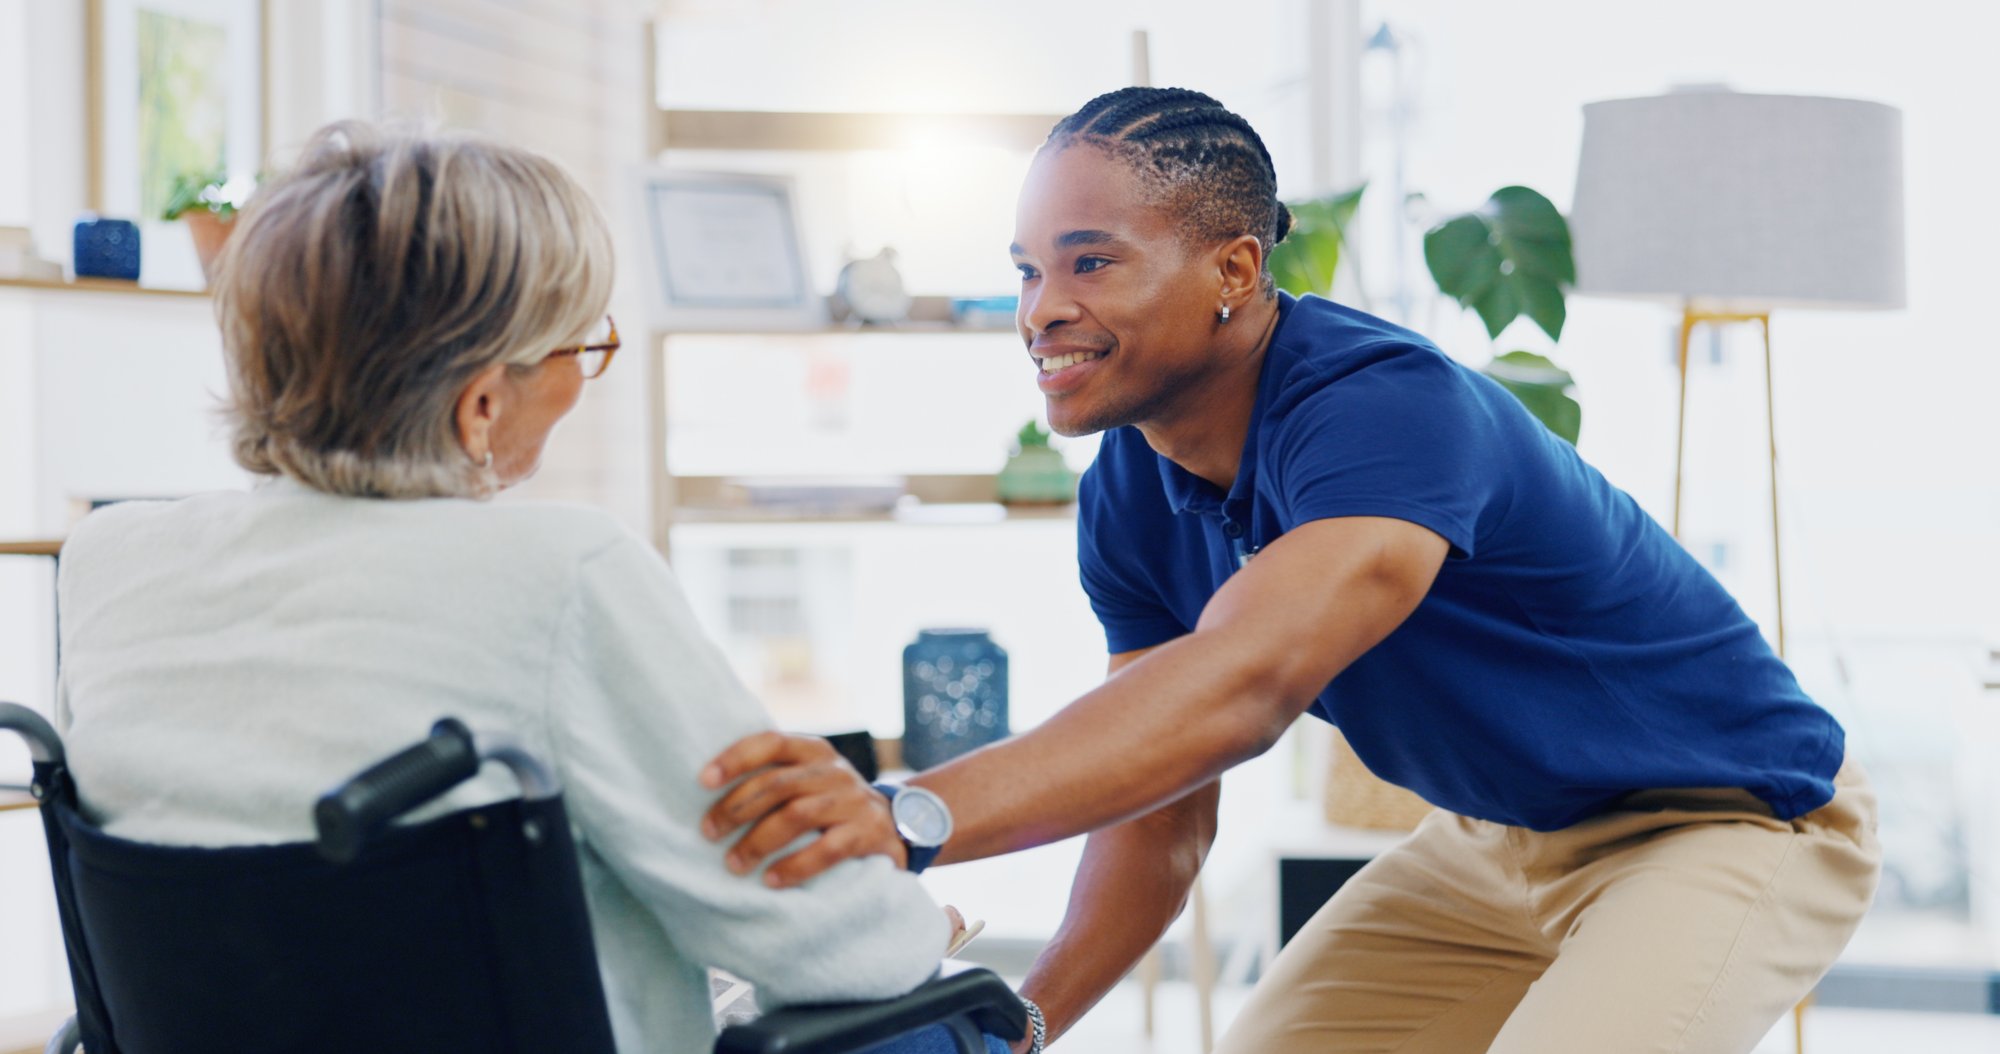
column 1691, row 317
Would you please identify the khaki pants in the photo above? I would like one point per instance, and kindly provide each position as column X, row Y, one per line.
column 1683, row 921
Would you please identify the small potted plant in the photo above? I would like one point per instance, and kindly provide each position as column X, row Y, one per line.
column 208, row 202
column 1036, row 473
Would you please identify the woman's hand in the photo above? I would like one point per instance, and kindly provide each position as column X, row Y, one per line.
column 957, row 921
column 793, row 785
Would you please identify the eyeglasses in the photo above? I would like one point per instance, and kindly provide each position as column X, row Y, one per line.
column 594, row 356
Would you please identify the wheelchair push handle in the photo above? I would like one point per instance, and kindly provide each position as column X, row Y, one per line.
column 44, row 747
column 355, row 811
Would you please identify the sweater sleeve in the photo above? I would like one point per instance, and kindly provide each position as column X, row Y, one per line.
column 639, row 700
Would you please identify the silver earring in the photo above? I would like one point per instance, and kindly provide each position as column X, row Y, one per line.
column 1225, row 314
column 489, row 458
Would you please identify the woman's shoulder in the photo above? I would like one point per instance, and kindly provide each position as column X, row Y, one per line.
column 122, row 524
column 280, row 517
column 559, row 525
column 556, row 537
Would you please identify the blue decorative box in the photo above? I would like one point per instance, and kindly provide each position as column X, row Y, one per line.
column 106, row 249
column 954, row 695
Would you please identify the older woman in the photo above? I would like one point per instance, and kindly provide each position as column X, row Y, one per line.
column 406, row 319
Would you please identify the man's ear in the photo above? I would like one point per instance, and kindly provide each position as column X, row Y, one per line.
column 480, row 406
column 1239, row 262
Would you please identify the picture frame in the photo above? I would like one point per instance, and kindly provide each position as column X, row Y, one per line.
column 173, row 87
column 724, row 251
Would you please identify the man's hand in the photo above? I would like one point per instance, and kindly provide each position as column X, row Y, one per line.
column 793, row 785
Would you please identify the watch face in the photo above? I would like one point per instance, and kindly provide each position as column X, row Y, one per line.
column 921, row 817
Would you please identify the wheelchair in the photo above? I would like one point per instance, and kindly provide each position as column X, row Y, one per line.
column 468, row 932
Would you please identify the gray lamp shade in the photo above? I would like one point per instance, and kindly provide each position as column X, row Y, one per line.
column 1741, row 202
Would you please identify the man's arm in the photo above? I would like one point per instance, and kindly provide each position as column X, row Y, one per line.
column 1131, row 885
column 1171, row 721
column 1189, row 710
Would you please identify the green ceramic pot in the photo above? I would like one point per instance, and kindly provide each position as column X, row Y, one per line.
column 1037, row 475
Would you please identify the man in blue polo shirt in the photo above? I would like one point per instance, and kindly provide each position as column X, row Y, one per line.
column 1647, row 837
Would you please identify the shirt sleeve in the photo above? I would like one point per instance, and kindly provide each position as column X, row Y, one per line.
column 639, row 701
column 1410, row 436
column 1127, row 605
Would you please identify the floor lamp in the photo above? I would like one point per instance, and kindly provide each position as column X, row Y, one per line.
column 1731, row 205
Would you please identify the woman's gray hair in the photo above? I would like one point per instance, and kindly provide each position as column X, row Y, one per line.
column 367, row 286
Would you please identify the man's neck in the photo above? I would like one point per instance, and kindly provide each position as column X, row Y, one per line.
column 1205, row 432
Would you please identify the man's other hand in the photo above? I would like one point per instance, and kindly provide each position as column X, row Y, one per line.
column 793, row 785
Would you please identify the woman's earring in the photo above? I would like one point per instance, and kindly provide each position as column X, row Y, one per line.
column 489, row 458
column 1225, row 314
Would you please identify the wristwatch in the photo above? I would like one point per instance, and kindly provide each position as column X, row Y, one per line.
column 923, row 821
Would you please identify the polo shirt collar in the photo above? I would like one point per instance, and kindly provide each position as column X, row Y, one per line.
column 1189, row 493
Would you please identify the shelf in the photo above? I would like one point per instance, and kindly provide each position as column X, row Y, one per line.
column 953, row 515
column 937, row 500
column 103, row 285
column 31, row 547
column 771, row 130
column 928, row 315
column 942, row 329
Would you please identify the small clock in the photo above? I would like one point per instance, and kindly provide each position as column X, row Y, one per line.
column 872, row 289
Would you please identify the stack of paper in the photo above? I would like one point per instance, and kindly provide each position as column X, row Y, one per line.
column 18, row 259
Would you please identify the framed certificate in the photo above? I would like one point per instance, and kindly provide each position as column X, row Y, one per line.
column 724, row 253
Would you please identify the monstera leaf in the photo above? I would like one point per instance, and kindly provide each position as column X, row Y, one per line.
column 1510, row 257
column 1543, row 387
column 1305, row 261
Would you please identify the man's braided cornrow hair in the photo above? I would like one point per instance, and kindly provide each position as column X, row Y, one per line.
column 1207, row 164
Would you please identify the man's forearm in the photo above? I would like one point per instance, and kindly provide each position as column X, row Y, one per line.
column 1269, row 641
column 1132, row 884
column 1091, row 766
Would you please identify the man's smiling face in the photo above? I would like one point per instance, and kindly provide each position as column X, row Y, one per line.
column 1117, row 308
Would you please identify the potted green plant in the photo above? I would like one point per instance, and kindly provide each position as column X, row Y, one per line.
column 1036, row 474
column 207, row 201
column 1509, row 257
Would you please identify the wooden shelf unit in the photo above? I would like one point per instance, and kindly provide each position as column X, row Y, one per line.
column 709, row 499
column 102, row 285
column 754, row 130
column 940, row 500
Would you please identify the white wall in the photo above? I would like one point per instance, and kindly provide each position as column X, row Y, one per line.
column 13, row 113
column 566, row 79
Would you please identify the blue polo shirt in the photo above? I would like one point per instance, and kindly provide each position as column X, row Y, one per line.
column 1570, row 651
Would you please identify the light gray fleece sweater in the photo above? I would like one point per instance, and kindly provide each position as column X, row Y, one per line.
column 229, row 657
